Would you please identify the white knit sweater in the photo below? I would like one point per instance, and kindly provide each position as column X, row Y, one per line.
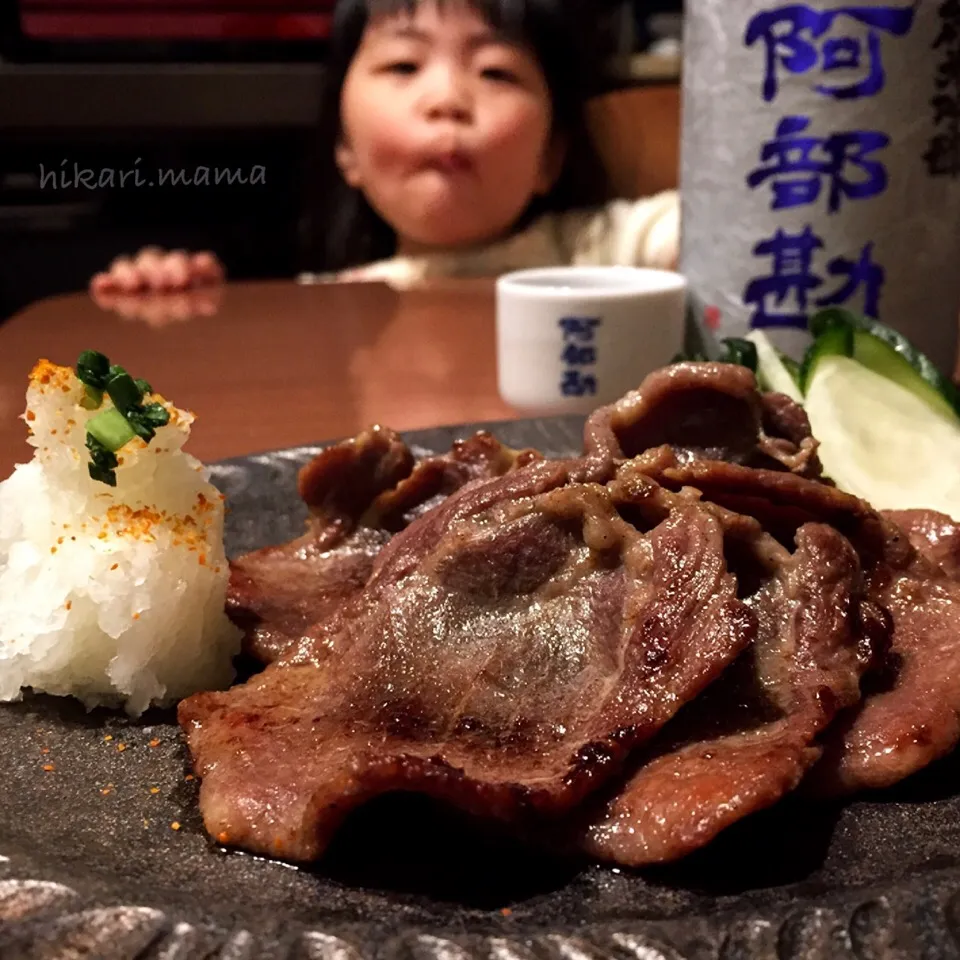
column 624, row 233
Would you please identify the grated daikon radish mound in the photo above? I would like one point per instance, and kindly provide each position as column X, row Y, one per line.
column 114, row 595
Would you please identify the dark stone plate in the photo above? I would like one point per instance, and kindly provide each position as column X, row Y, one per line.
column 92, row 866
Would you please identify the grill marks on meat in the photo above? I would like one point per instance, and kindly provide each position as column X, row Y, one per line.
column 911, row 714
column 433, row 479
column 359, row 492
column 342, row 482
column 909, row 618
column 277, row 593
column 750, row 739
column 781, row 502
column 709, row 411
column 564, row 636
column 931, row 534
column 634, row 649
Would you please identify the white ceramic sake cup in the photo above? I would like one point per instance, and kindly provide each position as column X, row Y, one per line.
column 572, row 338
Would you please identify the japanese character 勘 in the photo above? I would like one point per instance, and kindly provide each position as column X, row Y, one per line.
column 782, row 297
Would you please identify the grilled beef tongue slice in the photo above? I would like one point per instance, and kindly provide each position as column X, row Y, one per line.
column 782, row 502
column 359, row 492
column 751, row 737
column 911, row 714
column 711, row 411
column 511, row 648
column 932, row 534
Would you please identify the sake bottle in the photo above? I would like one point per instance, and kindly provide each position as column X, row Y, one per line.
column 821, row 166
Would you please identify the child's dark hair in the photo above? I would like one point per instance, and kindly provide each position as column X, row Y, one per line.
column 344, row 231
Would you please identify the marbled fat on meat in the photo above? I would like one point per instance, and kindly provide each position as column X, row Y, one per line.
column 911, row 713
column 514, row 645
column 632, row 650
column 751, row 737
column 359, row 492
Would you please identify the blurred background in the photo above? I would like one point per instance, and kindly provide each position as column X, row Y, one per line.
column 231, row 85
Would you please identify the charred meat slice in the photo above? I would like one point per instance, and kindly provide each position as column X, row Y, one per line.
column 511, row 648
column 782, row 502
column 342, row 482
column 786, row 437
column 932, row 534
column 359, row 492
column 911, row 714
column 752, row 736
column 434, row 478
column 276, row 594
column 711, row 411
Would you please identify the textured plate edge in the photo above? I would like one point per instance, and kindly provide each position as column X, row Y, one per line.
column 43, row 920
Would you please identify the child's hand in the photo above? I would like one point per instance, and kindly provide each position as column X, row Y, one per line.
column 153, row 269
column 162, row 309
column 401, row 273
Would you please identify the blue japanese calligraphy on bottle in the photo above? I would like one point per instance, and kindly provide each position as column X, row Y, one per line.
column 821, row 166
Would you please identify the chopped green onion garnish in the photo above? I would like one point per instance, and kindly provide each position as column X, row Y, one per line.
column 111, row 429
column 103, row 463
column 156, row 415
column 103, row 474
column 93, row 368
column 129, row 417
column 92, row 397
column 140, row 426
column 123, row 392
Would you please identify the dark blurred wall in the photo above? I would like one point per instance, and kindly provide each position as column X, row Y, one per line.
column 53, row 237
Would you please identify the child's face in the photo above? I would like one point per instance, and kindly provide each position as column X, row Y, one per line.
column 446, row 127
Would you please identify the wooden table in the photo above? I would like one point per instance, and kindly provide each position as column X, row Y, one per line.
column 279, row 364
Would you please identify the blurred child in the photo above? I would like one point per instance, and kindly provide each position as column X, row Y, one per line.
column 459, row 148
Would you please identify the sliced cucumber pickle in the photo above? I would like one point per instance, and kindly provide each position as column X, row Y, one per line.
column 884, row 351
column 773, row 371
column 882, row 440
column 833, row 341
